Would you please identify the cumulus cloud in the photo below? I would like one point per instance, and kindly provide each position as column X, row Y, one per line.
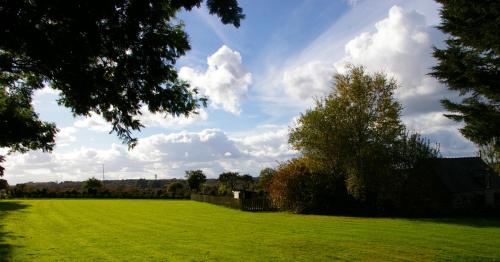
column 93, row 122
column 207, row 145
column 96, row 122
column 167, row 155
column 269, row 142
column 225, row 82
column 65, row 136
column 149, row 119
column 401, row 46
column 313, row 79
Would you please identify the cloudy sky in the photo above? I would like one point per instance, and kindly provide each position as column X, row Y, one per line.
column 258, row 78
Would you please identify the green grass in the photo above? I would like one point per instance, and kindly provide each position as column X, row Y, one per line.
column 162, row 230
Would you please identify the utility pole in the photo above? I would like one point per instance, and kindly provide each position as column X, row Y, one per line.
column 103, row 173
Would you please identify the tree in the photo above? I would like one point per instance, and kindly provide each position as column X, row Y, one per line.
column 356, row 133
column 92, row 185
column 297, row 187
column 176, row 189
column 21, row 128
column 4, row 188
column 265, row 177
column 229, row 179
column 244, row 182
column 142, row 183
column 491, row 156
column 110, row 58
column 4, row 184
column 195, row 178
column 470, row 64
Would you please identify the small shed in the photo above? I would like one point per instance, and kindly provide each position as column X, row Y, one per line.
column 236, row 194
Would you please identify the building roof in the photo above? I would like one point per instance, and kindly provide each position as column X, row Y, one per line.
column 465, row 174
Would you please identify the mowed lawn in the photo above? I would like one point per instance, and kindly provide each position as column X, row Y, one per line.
column 168, row 230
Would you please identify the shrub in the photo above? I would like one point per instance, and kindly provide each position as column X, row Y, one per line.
column 298, row 188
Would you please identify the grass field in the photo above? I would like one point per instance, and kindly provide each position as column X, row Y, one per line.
column 161, row 230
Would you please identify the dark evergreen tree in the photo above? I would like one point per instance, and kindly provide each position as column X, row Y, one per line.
column 469, row 64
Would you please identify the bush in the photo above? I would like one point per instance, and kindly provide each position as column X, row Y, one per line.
column 177, row 190
column 296, row 187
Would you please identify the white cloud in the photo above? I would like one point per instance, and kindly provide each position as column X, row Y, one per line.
column 96, row 122
column 93, row 122
column 401, row 46
column 225, row 81
column 268, row 142
column 313, row 79
column 149, row 119
column 65, row 136
column 167, row 155
column 47, row 90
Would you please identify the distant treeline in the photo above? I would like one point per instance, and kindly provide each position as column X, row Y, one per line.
column 195, row 181
column 93, row 188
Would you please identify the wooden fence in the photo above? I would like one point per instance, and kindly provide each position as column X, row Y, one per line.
column 218, row 200
column 254, row 204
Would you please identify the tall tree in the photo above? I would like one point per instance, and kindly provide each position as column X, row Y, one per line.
column 265, row 177
column 470, row 64
column 356, row 132
column 110, row 57
column 195, row 178
column 229, row 179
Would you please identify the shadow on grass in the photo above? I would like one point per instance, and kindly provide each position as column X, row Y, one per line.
column 5, row 209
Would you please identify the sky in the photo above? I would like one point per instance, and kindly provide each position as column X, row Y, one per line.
column 259, row 78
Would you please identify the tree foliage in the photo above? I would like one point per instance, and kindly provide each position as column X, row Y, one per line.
column 92, row 185
column 195, row 178
column 229, row 179
column 176, row 189
column 356, row 133
column 109, row 57
column 470, row 64
column 244, row 182
column 491, row 156
column 297, row 187
column 21, row 128
column 265, row 178
column 4, row 184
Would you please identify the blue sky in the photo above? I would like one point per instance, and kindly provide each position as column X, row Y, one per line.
column 258, row 78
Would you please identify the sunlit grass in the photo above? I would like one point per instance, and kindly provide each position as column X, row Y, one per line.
column 162, row 230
